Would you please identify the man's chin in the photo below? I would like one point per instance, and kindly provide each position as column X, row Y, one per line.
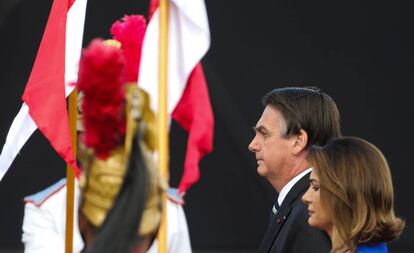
column 261, row 171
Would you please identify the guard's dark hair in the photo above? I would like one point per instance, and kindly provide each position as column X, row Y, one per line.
column 119, row 232
column 306, row 108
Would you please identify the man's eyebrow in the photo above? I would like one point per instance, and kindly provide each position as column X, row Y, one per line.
column 260, row 129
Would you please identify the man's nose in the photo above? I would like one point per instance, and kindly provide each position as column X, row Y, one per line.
column 253, row 146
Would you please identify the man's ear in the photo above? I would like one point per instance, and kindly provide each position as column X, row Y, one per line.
column 299, row 142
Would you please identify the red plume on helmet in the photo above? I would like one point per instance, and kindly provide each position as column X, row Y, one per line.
column 103, row 71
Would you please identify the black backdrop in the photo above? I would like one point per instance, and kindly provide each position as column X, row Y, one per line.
column 360, row 52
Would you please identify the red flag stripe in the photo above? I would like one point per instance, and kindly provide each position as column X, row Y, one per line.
column 45, row 90
column 152, row 8
column 70, row 3
column 194, row 114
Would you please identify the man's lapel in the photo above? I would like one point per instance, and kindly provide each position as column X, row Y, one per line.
column 274, row 228
column 283, row 214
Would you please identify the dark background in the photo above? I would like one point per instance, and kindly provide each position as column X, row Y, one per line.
column 359, row 52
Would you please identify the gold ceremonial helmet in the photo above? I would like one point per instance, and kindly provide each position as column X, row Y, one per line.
column 103, row 177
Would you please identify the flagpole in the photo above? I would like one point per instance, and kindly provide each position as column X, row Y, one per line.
column 163, row 118
column 70, row 173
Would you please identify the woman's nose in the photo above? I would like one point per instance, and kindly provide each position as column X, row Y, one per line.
column 306, row 197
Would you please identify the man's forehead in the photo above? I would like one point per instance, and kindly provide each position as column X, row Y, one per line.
column 270, row 117
column 271, row 112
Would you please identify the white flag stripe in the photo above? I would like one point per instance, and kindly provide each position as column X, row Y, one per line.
column 23, row 125
column 21, row 129
column 189, row 40
column 74, row 35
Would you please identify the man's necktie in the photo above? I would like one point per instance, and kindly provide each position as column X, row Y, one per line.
column 275, row 208
column 273, row 213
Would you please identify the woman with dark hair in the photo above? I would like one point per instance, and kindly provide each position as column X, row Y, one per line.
column 351, row 196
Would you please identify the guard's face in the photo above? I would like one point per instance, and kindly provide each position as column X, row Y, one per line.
column 318, row 216
column 270, row 146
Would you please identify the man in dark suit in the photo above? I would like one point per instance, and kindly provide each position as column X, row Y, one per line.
column 293, row 119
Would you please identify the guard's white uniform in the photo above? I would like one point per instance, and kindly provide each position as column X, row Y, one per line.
column 44, row 220
column 45, row 217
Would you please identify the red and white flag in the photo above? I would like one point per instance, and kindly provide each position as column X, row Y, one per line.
column 188, row 99
column 55, row 67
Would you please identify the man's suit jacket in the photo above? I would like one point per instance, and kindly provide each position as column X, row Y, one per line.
column 289, row 230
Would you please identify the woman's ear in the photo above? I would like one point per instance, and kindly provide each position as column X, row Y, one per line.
column 299, row 142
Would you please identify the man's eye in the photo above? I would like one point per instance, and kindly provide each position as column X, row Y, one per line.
column 265, row 135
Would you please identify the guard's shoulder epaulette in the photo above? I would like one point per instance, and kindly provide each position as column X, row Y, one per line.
column 174, row 196
column 40, row 197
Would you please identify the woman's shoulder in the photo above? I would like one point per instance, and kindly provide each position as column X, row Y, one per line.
column 372, row 248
